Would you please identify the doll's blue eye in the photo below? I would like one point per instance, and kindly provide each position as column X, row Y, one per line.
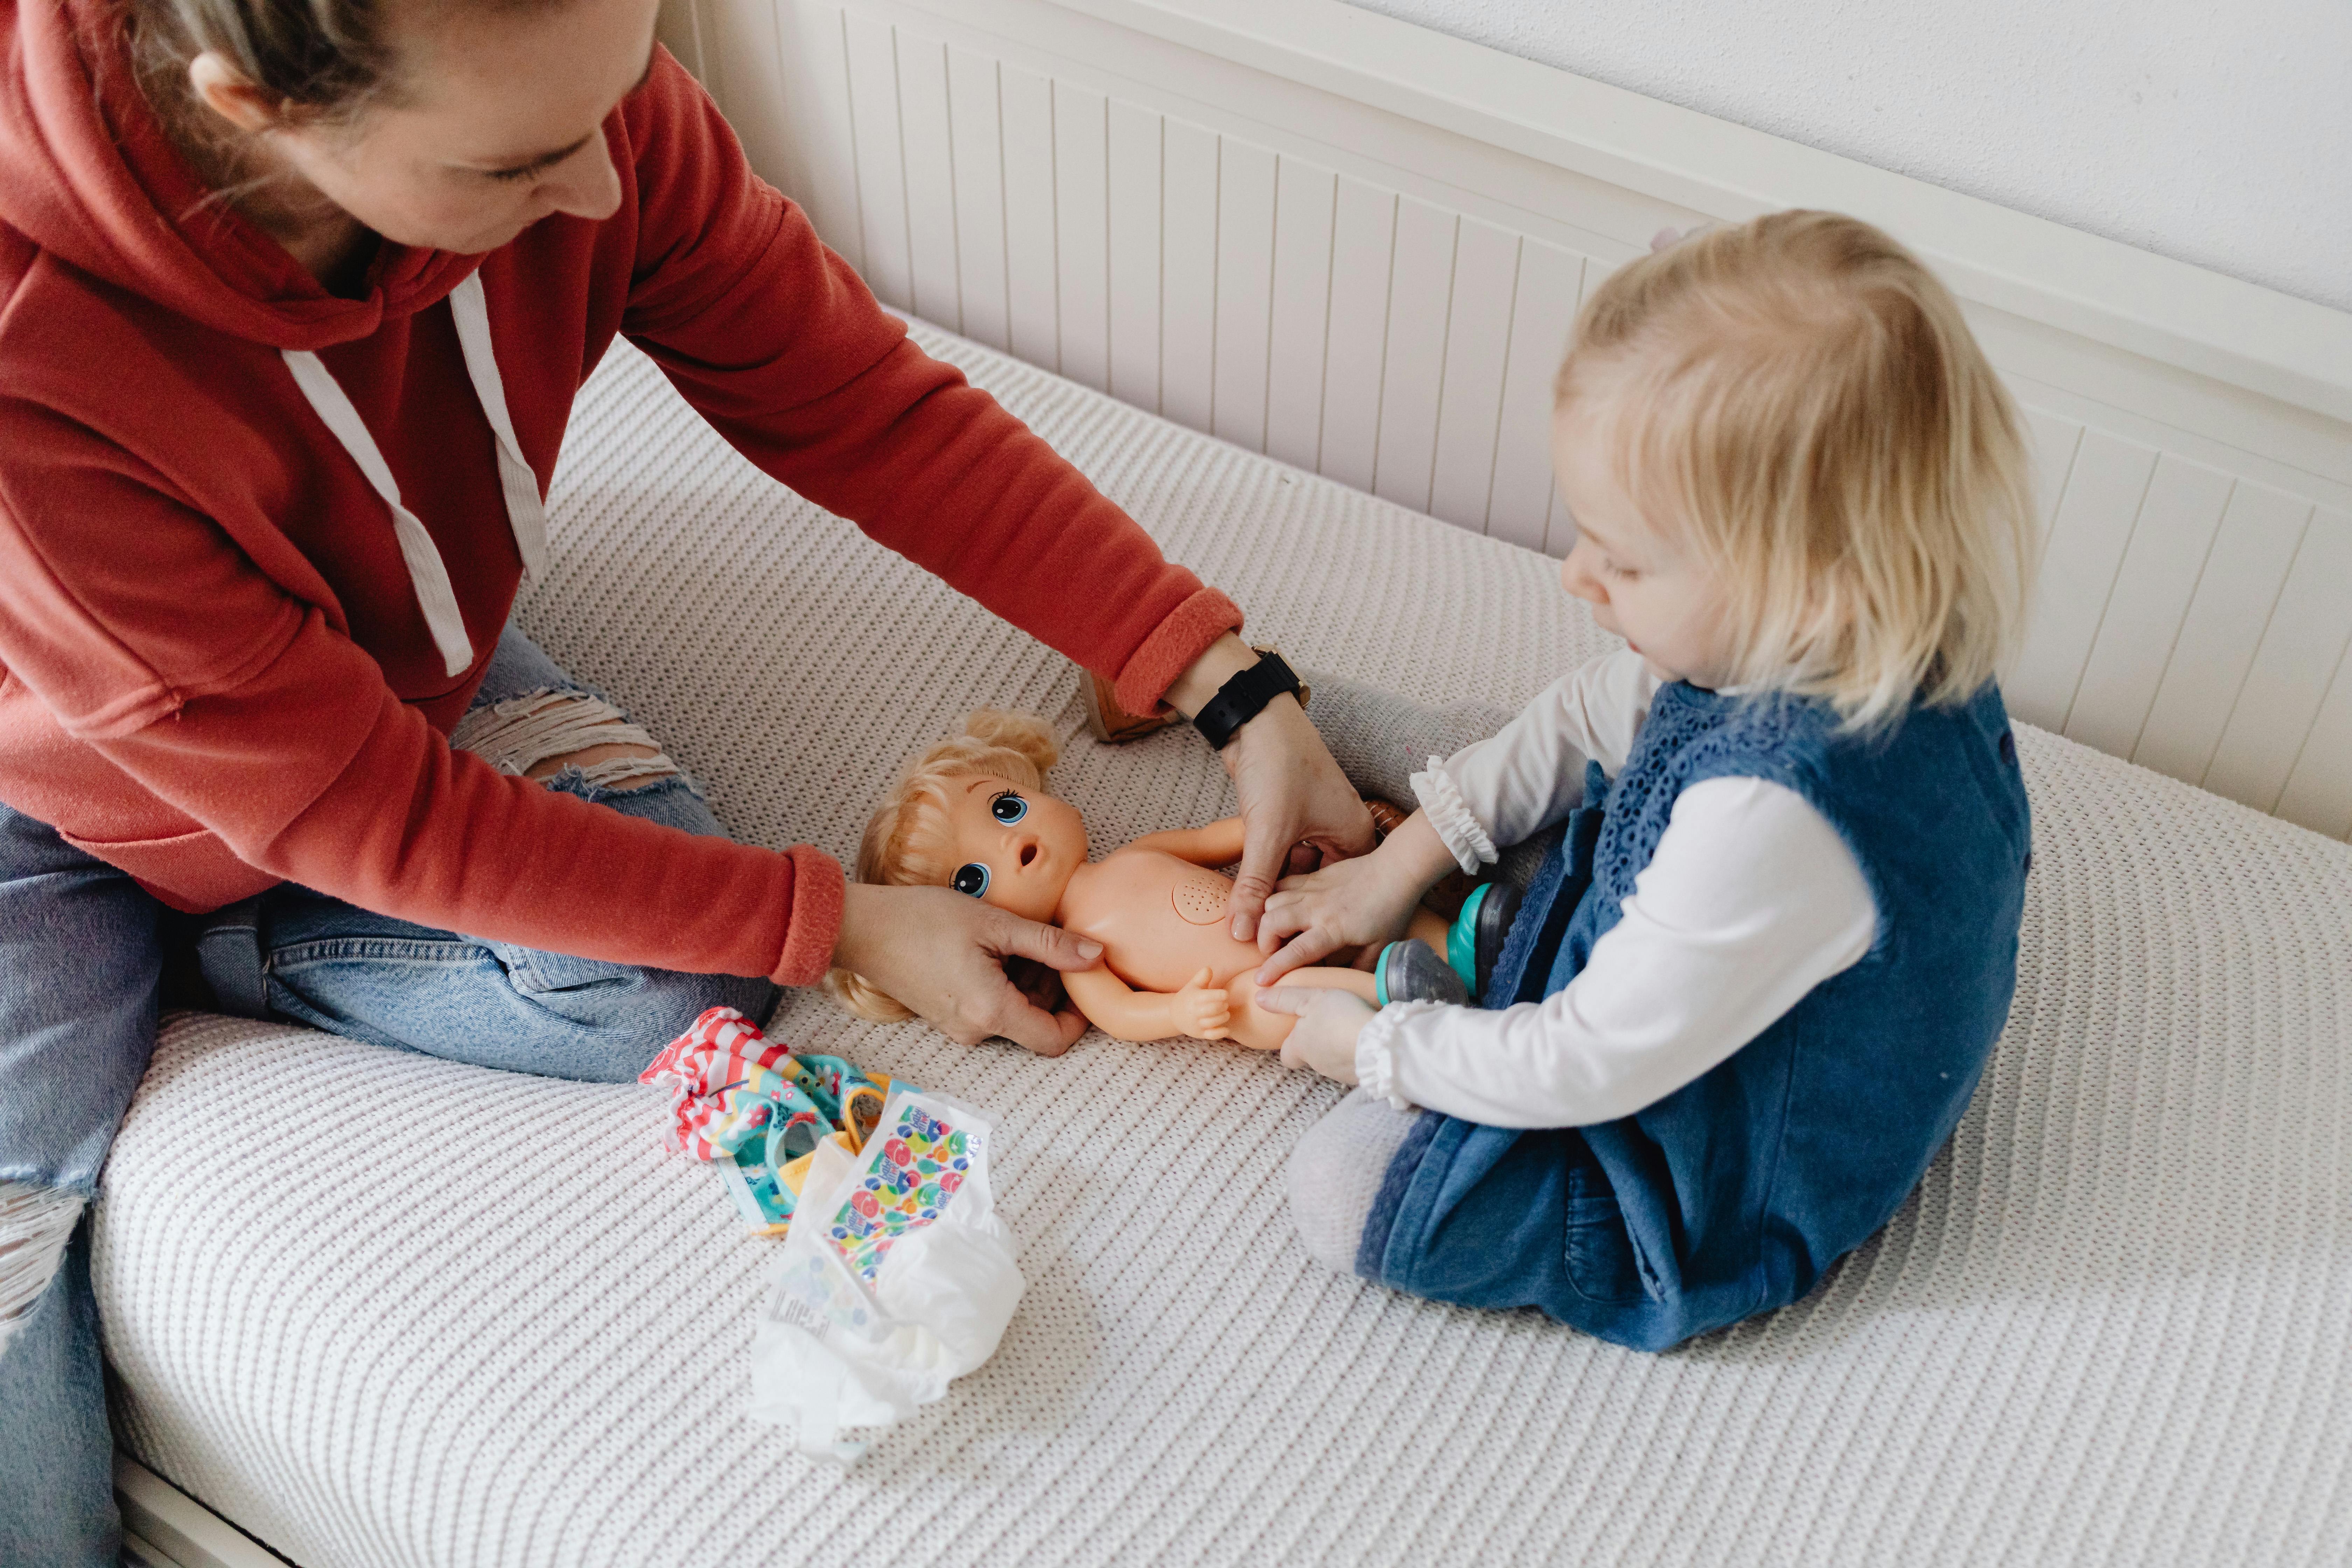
column 971, row 877
column 1008, row 808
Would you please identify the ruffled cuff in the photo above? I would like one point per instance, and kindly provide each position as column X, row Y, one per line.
column 815, row 922
column 1376, row 1050
column 1462, row 832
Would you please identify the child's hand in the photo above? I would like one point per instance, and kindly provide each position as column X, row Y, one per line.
column 1324, row 1039
column 1364, row 903
column 1203, row 1011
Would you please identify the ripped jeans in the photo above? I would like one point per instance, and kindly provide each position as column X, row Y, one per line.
column 82, row 952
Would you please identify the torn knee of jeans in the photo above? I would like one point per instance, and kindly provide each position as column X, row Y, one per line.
column 542, row 733
column 34, row 1224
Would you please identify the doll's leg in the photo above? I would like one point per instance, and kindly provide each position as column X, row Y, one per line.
column 1261, row 1030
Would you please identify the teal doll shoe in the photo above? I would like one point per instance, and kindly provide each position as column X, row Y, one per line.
column 1476, row 943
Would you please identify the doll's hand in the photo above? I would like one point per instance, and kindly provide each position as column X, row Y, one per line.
column 943, row 955
column 1324, row 1039
column 1365, row 903
column 1203, row 1011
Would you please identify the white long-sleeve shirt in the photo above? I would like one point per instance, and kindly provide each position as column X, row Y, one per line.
column 1751, row 900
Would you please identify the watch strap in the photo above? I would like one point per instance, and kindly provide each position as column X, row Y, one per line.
column 1244, row 697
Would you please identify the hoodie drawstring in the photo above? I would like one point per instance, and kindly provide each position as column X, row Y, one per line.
column 525, row 512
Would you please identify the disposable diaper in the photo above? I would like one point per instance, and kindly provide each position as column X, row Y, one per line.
column 896, row 1278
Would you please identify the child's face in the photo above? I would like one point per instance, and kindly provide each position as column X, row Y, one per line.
column 1640, row 582
column 1013, row 848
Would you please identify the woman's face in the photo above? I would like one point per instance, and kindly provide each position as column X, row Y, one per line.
column 1642, row 583
column 496, row 126
column 1013, row 848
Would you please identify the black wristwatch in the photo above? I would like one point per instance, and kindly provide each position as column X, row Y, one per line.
column 1245, row 696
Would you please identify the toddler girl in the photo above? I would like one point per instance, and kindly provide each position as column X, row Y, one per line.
column 1752, row 985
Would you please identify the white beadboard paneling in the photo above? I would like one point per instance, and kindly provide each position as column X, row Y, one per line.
column 2052, row 441
column 2244, row 574
column 2300, row 651
column 2086, row 545
column 1082, row 228
column 1245, row 290
column 1399, row 331
column 1363, row 232
column 1303, row 194
column 1188, row 276
column 1133, row 136
column 1025, row 102
column 2318, row 793
column 929, row 142
column 1477, row 352
column 978, row 134
column 1421, row 289
column 881, row 162
column 1543, row 312
column 2177, row 523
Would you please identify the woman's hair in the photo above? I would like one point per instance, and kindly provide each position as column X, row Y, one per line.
column 907, row 842
column 328, row 58
column 1803, row 399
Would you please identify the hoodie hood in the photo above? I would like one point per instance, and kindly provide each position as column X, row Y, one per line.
column 88, row 175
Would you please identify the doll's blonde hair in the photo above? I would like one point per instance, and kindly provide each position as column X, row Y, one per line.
column 1805, row 400
column 907, row 842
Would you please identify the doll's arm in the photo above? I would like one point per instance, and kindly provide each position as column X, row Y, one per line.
column 1123, row 1013
column 1218, row 844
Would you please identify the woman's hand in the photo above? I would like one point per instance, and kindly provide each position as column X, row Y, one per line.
column 1297, row 808
column 1324, row 1039
column 1364, row 903
column 943, row 955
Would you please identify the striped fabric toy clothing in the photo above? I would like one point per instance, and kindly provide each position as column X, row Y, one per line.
column 749, row 1106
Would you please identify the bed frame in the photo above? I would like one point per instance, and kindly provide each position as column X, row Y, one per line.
column 1356, row 245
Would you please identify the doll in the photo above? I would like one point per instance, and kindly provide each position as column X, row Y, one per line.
column 973, row 814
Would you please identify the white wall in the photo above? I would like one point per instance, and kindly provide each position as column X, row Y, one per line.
column 2215, row 132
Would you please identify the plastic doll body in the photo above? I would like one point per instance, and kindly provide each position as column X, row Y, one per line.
column 1171, row 962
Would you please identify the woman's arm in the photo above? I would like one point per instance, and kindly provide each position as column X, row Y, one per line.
column 782, row 348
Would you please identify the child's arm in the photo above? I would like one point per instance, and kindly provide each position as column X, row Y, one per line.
column 1123, row 1013
column 1751, row 900
column 1217, row 843
column 1356, row 903
column 1530, row 773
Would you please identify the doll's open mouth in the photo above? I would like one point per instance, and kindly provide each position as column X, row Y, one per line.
column 1028, row 854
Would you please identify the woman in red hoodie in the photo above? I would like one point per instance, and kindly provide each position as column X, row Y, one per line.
column 295, row 296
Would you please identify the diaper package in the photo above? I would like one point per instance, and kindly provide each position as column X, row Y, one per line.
column 897, row 1277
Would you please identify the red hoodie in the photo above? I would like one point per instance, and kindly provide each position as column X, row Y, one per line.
column 214, row 669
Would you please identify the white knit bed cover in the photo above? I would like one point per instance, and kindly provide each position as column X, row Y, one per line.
column 380, row 1310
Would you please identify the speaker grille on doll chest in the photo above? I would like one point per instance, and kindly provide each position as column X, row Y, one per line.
column 1202, row 896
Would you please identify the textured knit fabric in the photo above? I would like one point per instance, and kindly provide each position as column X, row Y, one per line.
column 2114, row 1326
column 218, row 673
column 1731, row 1194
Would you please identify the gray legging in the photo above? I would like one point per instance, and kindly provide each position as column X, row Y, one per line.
column 1380, row 740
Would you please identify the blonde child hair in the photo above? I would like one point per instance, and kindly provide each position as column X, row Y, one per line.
column 907, row 840
column 1803, row 398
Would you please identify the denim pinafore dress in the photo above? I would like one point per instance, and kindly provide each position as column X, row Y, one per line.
column 1731, row 1196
